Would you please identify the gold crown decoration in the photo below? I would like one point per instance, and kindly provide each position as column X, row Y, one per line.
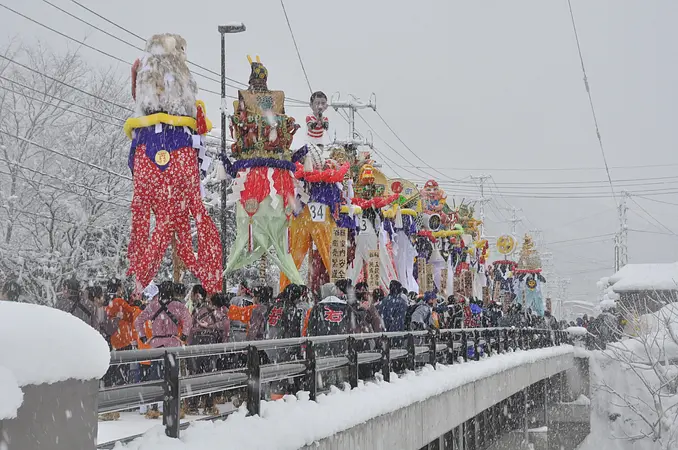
column 529, row 256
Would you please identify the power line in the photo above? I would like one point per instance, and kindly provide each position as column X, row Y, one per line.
column 551, row 169
column 626, row 180
column 60, row 189
column 64, row 35
column 652, row 232
column 580, row 239
column 300, row 102
column 93, row 26
column 89, row 188
column 657, row 201
column 144, row 39
column 71, row 222
column 296, row 47
column 130, row 44
column 408, row 148
column 578, row 220
column 60, row 99
column 126, row 108
column 652, row 217
column 56, row 106
column 588, row 92
column 391, row 147
column 109, row 21
column 94, row 166
column 563, row 195
column 97, row 49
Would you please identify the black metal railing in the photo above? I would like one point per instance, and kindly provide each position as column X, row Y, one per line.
column 386, row 352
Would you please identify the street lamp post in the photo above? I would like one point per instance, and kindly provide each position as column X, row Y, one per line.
column 223, row 30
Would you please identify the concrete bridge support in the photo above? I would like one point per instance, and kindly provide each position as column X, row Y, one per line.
column 473, row 416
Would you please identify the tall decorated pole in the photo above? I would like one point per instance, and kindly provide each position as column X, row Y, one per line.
column 312, row 227
column 223, row 217
column 530, row 278
column 166, row 158
column 264, row 190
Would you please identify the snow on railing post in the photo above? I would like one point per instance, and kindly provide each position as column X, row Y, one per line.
column 487, row 349
column 464, row 345
column 432, row 355
column 476, row 345
column 253, row 381
column 353, row 362
column 507, row 341
column 172, row 398
column 310, row 375
column 497, row 340
column 410, row 352
column 385, row 358
column 450, row 345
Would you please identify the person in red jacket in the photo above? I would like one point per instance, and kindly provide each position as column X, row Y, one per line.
column 125, row 336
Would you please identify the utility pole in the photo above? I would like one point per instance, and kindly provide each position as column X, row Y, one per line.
column 514, row 220
column 621, row 256
column 565, row 283
column 482, row 200
column 538, row 237
column 352, row 105
column 223, row 30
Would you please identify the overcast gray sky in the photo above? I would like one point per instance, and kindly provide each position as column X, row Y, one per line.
column 471, row 87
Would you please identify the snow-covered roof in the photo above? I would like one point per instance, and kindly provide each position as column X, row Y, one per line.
column 653, row 336
column 642, row 277
column 45, row 345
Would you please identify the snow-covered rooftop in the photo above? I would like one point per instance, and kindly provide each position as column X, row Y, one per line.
column 641, row 277
column 45, row 345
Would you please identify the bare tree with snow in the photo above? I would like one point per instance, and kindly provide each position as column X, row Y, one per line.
column 636, row 378
column 64, row 185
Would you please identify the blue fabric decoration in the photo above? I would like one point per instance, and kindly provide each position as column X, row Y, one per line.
column 171, row 138
column 299, row 154
column 326, row 193
column 263, row 162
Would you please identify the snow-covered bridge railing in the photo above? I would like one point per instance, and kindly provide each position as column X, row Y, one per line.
column 305, row 359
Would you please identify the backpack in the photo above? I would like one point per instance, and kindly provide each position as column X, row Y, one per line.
column 408, row 315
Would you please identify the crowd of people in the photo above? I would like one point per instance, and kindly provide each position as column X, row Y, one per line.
column 171, row 315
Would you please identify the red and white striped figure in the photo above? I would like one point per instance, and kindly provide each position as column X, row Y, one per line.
column 316, row 123
column 316, row 127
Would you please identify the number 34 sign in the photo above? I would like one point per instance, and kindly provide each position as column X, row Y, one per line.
column 318, row 212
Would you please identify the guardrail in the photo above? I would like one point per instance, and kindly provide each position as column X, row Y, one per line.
column 406, row 350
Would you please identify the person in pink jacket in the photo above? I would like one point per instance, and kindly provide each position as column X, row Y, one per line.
column 171, row 322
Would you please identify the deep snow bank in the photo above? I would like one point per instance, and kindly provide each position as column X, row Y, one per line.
column 44, row 345
column 11, row 395
column 295, row 421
